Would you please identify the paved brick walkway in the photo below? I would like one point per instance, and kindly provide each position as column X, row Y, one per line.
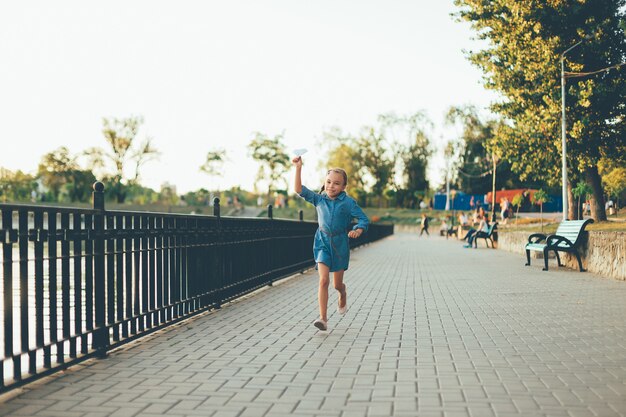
column 432, row 330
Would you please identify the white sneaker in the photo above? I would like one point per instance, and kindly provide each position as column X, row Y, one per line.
column 321, row 324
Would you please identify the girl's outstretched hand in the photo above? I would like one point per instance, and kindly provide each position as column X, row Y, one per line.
column 355, row 233
column 297, row 161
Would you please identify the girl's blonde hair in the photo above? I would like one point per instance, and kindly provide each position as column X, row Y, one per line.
column 337, row 171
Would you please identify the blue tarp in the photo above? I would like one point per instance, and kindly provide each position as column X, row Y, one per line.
column 462, row 202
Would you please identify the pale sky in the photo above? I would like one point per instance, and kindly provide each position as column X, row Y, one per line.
column 207, row 74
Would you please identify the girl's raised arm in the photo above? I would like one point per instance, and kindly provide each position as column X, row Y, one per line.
column 298, row 181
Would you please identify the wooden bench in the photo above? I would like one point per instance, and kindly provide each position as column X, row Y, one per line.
column 568, row 238
column 486, row 235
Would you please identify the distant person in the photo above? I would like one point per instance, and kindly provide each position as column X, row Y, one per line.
column 424, row 225
column 478, row 213
column 611, row 207
column 504, row 209
column 331, row 249
column 443, row 229
column 463, row 219
column 483, row 226
column 481, row 212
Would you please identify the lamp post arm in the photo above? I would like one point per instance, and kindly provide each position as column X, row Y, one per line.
column 569, row 49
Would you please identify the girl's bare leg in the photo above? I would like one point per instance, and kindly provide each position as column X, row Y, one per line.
column 340, row 286
column 322, row 294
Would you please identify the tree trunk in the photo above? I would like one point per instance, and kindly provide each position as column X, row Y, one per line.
column 597, row 203
column 571, row 206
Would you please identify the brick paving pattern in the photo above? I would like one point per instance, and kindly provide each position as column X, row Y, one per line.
column 432, row 329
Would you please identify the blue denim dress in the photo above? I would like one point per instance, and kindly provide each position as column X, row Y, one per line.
column 331, row 246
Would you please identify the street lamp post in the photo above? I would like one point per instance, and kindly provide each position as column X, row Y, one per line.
column 493, row 189
column 564, row 130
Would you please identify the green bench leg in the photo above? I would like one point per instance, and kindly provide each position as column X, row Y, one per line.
column 558, row 258
column 580, row 264
column 545, row 259
column 527, row 257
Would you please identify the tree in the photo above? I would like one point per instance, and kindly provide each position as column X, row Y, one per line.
column 522, row 62
column 477, row 144
column 517, row 202
column 410, row 146
column 376, row 160
column 540, row 197
column 415, row 163
column 214, row 163
column 270, row 154
column 16, row 186
column 348, row 158
column 582, row 189
column 121, row 136
column 341, row 151
column 615, row 182
column 168, row 194
column 60, row 172
column 54, row 168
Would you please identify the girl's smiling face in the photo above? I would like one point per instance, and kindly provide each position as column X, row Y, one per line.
column 334, row 184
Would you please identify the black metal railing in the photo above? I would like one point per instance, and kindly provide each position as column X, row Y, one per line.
column 78, row 282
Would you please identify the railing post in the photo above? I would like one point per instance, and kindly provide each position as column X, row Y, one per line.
column 301, row 214
column 219, row 255
column 271, row 256
column 216, row 208
column 101, row 335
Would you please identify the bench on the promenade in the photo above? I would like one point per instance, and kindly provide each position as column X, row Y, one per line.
column 567, row 238
column 450, row 231
column 488, row 235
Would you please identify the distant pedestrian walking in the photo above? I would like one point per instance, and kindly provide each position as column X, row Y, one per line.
column 331, row 249
column 424, row 227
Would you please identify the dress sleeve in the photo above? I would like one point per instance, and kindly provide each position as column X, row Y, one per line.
column 362, row 221
column 310, row 196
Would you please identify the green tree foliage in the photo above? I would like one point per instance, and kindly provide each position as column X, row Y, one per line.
column 582, row 189
column 541, row 197
column 16, row 186
column 411, row 148
column 214, row 164
column 61, row 174
column 387, row 162
column 125, row 155
column 140, row 195
column 168, row 195
column 342, row 153
column 615, row 182
column 522, row 62
column 517, row 201
column 347, row 157
column 198, row 198
column 479, row 139
column 415, row 162
column 375, row 156
column 273, row 161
